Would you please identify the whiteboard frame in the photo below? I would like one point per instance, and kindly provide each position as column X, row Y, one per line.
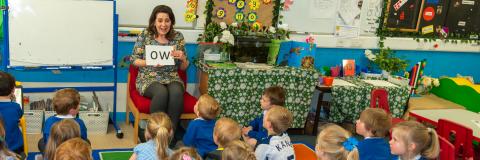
column 108, row 63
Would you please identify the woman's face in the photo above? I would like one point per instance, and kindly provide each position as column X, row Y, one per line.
column 162, row 23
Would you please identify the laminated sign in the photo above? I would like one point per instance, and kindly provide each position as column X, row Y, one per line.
column 159, row 55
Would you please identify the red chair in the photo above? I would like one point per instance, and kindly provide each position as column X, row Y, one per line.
column 462, row 139
column 380, row 95
column 447, row 150
column 139, row 106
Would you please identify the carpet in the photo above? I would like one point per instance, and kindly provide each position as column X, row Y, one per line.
column 101, row 154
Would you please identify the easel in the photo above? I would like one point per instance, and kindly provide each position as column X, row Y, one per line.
column 6, row 66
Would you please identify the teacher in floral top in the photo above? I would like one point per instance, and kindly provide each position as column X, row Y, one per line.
column 161, row 83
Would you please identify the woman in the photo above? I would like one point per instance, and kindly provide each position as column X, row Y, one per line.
column 161, row 83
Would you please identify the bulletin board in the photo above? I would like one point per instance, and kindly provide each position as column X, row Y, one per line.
column 260, row 12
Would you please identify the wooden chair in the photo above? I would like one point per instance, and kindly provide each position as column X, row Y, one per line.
column 381, row 95
column 139, row 106
column 460, row 136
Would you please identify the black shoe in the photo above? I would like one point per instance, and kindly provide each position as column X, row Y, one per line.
column 141, row 135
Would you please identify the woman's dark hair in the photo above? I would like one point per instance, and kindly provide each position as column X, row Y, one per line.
column 7, row 83
column 151, row 22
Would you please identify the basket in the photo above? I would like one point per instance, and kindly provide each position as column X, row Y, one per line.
column 34, row 120
column 96, row 122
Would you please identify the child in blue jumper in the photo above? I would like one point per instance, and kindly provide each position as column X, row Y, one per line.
column 374, row 124
column 66, row 103
column 199, row 133
column 252, row 134
column 10, row 112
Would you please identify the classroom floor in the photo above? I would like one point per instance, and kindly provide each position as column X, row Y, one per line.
column 99, row 141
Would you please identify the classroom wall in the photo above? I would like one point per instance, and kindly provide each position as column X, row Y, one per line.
column 438, row 64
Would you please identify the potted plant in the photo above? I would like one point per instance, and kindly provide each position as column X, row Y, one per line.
column 386, row 61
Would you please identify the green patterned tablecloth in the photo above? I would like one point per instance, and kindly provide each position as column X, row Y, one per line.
column 349, row 101
column 239, row 90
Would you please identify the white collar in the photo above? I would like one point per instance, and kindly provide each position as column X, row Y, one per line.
column 199, row 118
column 372, row 137
column 417, row 157
column 65, row 116
column 5, row 100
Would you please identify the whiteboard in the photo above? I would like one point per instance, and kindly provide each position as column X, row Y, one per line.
column 321, row 16
column 135, row 13
column 60, row 32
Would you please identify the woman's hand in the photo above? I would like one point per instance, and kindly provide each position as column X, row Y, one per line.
column 179, row 55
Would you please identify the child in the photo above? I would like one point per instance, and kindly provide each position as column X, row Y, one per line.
column 411, row 140
column 185, row 153
column 374, row 124
column 238, row 150
column 158, row 134
column 11, row 113
column 226, row 130
column 277, row 145
column 255, row 132
column 60, row 132
column 4, row 152
column 200, row 131
column 75, row 148
column 335, row 143
column 66, row 104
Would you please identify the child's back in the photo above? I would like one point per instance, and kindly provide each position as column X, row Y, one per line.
column 275, row 147
column 375, row 148
column 54, row 119
column 11, row 113
column 200, row 135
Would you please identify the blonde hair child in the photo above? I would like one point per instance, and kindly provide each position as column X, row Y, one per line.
column 335, row 143
column 238, row 150
column 75, row 148
column 199, row 133
column 412, row 140
column 226, row 130
column 4, row 152
column 158, row 134
column 60, row 132
column 185, row 153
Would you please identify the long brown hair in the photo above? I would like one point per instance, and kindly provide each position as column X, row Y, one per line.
column 3, row 145
column 426, row 139
column 152, row 30
column 75, row 148
column 60, row 132
column 159, row 127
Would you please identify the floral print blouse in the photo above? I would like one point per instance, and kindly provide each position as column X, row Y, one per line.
column 149, row 74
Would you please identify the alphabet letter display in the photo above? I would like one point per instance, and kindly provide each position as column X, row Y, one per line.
column 159, row 55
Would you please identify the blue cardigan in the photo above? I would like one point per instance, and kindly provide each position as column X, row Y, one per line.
column 54, row 119
column 200, row 136
column 11, row 114
column 376, row 148
column 257, row 132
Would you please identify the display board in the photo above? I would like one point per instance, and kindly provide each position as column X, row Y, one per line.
column 255, row 12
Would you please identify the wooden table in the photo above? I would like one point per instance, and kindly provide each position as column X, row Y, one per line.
column 459, row 116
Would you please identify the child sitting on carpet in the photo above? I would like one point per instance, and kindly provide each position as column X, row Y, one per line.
column 255, row 132
column 60, row 132
column 66, row 103
column 335, row 143
column 412, row 140
column 277, row 145
column 4, row 152
column 158, row 134
column 10, row 112
column 226, row 130
column 374, row 124
column 238, row 150
column 75, row 148
column 185, row 153
column 200, row 131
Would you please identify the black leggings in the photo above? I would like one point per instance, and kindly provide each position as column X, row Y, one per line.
column 166, row 98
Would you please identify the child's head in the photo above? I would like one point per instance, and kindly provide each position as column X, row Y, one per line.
column 185, row 153
column 3, row 143
column 75, row 148
column 207, row 107
column 60, row 132
column 374, row 122
column 7, row 84
column 334, row 143
column 225, row 131
column 66, row 101
column 238, row 150
column 160, row 129
column 411, row 138
column 272, row 96
column 277, row 120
